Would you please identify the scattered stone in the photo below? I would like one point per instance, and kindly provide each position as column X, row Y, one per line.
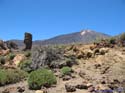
column 70, row 88
column 89, row 84
column 103, row 51
column 6, row 91
column 81, row 86
column 39, row 91
column 103, row 82
column 82, row 74
column 104, row 70
column 9, row 90
column 66, row 78
column 113, row 86
column 21, row 89
column 91, row 89
column 97, row 66
column 73, row 76
column 96, row 51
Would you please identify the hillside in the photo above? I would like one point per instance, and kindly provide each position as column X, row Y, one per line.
column 84, row 36
column 92, row 71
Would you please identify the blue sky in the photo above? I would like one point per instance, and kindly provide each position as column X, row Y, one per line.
column 49, row 18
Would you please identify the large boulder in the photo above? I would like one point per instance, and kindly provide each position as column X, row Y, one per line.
column 28, row 41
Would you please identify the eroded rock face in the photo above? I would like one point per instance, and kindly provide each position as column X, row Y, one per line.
column 28, row 41
column 49, row 57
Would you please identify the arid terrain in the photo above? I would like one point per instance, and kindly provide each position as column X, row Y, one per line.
column 95, row 70
column 97, row 67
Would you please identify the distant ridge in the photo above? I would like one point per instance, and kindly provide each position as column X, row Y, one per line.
column 84, row 36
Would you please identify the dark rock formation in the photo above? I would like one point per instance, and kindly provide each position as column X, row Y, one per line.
column 2, row 45
column 81, row 86
column 11, row 45
column 70, row 88
column 28, row 41
column 66, row 78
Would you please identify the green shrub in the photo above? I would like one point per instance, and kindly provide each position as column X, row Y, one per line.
column 112, row 40
column 66, row 70
column 27, row 54
column 25, row 65
column 3, row 77
column 2, row 60
column 122, row 37
column 9, row 76
column 11, row 56
column 41, row 77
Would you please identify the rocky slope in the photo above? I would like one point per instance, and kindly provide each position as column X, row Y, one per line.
column 102, row 70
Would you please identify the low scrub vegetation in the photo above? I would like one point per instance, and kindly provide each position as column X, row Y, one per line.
column 2, row 60
column 27, row 54
column 66, row 70
column 11, row 56
column 41, row 77
column 25, row 65
column 9, row 76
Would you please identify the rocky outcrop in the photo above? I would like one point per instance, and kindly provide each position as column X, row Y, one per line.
column 2, row 45
column 11, row 45
column 50, row 57
column 85, row 52
column 28, row 41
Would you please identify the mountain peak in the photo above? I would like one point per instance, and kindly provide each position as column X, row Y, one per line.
column 83, row 32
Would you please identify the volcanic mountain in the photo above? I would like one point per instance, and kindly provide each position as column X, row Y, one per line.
column 84, row 36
